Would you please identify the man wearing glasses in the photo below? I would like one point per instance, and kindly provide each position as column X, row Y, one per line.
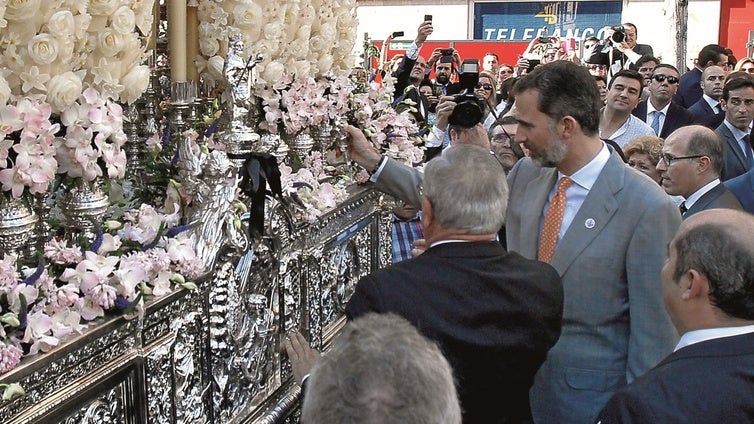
column 503, row 142
column 690, row 166
column 659, row 111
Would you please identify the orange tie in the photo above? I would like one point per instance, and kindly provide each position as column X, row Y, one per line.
column 551, row 228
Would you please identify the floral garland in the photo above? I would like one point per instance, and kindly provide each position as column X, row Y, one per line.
column 314, row 187
column 148, row 256
column 27, row 154
column 305, row 38
column 53, row 49
column 94, row 134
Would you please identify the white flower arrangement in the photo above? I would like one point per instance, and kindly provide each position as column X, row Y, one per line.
column 306, row 38
column 53, row 49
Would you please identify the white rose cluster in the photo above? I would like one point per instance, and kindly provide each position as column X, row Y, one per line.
column 300, row 38
column 54, row 49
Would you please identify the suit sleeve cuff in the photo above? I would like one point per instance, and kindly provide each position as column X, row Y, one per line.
column 412, row 52
column 378, row 171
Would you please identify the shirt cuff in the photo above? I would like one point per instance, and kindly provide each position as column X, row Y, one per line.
column 435, row 137
column 412, row 52
column 378, row 171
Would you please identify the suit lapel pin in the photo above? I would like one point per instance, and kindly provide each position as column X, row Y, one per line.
column 589, row 223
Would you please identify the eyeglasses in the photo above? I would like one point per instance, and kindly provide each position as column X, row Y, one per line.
column 506, row 71
column 660, row 78
column 749, row 70
column 487, row 87
column 502, row 138
column 668, row 159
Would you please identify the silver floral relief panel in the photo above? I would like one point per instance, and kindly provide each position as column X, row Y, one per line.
column 177, row 363
column 113, row 407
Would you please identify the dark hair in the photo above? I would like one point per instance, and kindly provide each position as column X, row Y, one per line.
column 629, row 24
column 735, row 84
column 628, row 73
column 506, row 89
column 646, row 58
column 738, row 74
column 666, row 66
column 600, row 78
column 565, row 89
column 710, row 52
column 721, row 252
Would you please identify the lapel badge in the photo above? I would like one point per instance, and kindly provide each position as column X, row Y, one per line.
column 589, row 223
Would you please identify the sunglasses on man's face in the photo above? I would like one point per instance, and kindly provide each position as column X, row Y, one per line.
column 487, row 87
column 660, row 78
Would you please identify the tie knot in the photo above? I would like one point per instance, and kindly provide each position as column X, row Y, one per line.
column 564, row 183
column 683, row 207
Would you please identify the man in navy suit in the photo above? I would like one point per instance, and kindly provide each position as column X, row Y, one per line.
column 708, row 111
column 709, row 292
column 659, row 111
column 411, row 72
column 689, row 90
column 493, row 313
column 743, row 188
column 690, row 167
column 738, row 104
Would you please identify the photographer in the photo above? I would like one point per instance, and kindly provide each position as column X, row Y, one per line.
column 540, row 50
column 445, row 62
column 618, row 50
column 411, row 72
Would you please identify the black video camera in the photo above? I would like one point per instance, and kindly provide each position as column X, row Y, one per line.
column 619, row 34
column 469, row 106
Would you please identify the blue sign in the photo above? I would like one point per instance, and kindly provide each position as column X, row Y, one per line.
column 525, row 21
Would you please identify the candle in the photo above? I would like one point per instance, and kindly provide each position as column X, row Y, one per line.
column 152, row 44
column 192, row 40
column 177, row 39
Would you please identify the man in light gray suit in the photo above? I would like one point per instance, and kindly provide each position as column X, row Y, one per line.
column 609, row 251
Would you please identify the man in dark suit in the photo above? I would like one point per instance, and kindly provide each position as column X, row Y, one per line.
column 690, row 167
column 659, row 111
column 493, row 313
column 689, row 90
column 738, row 104
column 743, row 188
column 615, row 226
column 411, row 72
column 708, row 288
column 708, row 111
column 618, row 56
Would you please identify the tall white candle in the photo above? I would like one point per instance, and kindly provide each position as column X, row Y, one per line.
column 177, row 39
column 192, row 41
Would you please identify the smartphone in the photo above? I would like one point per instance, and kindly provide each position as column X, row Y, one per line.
column 398, row 34
column 428, row 18
column 532, row 63
column 437, row 90
column 568, row 44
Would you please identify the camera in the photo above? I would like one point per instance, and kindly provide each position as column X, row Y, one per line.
column 469, row 106
column 619, row 34
column 398, row 34
column 446, row 52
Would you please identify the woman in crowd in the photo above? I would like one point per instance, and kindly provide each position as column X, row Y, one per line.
column 487, row 90
column 643, row 153
column 602, row 85
column 745, row 65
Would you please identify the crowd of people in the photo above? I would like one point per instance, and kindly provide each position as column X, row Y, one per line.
column 578, row 253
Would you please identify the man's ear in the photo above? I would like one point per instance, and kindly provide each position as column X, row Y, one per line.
column 569, row 125
column 428, row 215
column 723, row 104
column 697, row 286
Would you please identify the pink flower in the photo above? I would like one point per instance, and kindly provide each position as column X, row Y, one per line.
column 57, row 250
column 10, row 356
column 9, row 277
column 10, row 119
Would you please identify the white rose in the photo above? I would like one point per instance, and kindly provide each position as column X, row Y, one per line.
column 247, row 15
column 63, row 90
column 4, row 91
column 298, row 49
column 304, row 31
column 21, row 10
column 123, row 20
column 61, row 24
column 302, row 68
column 103, row 7
column 328, row 31
column 110, row 42
column 208, row 46
column 43, row 49
column 317, row 44
column 273, row 72
column 215, row 66
column 135, row 82
column 324, row 64
column 273, row 30
column 307, row 14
